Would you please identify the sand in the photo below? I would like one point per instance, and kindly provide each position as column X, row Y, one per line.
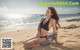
column 69, row 37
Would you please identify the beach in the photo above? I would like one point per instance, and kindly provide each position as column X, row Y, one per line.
column 68, row 34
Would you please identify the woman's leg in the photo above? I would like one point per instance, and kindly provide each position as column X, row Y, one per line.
column 34, row 43
column 30, row 39
column 30, row 44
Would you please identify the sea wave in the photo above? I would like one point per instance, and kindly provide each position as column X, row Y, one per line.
column 28, row 22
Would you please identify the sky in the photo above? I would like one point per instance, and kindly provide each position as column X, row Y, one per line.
column 32, row 7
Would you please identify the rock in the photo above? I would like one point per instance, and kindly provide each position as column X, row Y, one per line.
column 71, row 27
column 77, row 20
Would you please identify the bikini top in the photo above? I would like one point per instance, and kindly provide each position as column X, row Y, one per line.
column 45, row 26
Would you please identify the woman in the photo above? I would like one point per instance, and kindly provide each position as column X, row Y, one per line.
column 51, row 21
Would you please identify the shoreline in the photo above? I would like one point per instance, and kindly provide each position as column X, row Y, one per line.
column 77, row 19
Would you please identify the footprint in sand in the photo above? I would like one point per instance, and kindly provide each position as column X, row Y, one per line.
column 65, row 31
column 69, row 34
column 18, row 30
column 63, row 36
column 71, row 41
column 78, row 36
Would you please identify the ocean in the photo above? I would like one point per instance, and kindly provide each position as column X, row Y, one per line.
column 10, row 23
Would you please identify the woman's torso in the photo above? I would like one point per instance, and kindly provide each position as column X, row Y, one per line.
column 43, row 31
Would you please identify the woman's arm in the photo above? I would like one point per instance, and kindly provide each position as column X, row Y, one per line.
column 39, row 27
column 54, row 30
column 38, row 32
column 54, row 26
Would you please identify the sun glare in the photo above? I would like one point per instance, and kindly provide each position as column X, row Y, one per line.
column 14, row 15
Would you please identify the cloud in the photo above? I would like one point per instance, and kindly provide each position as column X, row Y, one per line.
column 67, row 10
column 13, row 3
column 60, row 10
column 4, row 8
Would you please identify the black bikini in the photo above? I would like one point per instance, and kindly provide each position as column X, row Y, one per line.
column 45, row 26
column 49, row 38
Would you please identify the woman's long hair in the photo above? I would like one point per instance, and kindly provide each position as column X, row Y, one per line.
column 55, row 15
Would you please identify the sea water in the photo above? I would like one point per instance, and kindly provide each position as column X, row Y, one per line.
column 7, row 23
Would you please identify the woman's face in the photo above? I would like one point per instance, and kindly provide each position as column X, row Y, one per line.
column 48, row 13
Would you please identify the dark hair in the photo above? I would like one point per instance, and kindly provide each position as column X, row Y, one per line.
column 55, row 15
